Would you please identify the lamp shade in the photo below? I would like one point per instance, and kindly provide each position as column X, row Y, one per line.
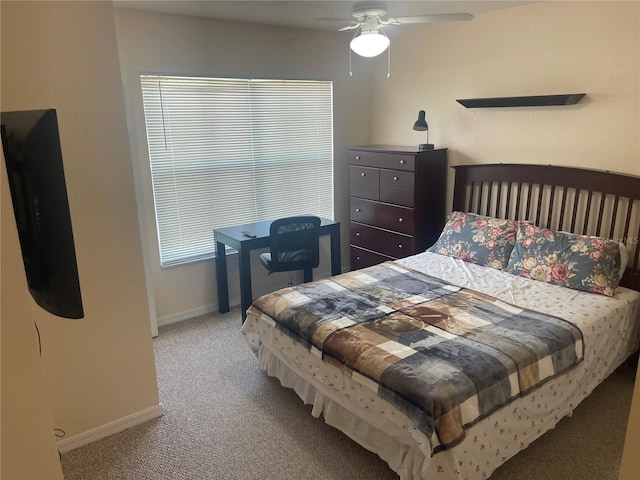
column 369, row 44
column 421, row 123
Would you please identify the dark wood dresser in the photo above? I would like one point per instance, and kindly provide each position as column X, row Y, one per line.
column 397, row 201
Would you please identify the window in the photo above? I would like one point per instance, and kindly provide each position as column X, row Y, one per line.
column 231, row 151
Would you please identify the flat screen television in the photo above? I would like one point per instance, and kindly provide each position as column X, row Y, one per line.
column 33, row 157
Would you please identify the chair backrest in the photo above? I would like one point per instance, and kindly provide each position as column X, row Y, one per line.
column 294, row 243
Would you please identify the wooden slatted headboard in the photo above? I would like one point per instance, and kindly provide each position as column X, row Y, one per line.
column 588, row 202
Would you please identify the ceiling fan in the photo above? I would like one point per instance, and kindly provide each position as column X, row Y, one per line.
column 370, row 40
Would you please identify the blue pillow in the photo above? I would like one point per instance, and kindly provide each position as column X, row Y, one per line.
column 581, row 262
column 474, row 238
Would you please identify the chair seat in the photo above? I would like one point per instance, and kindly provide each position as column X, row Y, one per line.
column 295, row 260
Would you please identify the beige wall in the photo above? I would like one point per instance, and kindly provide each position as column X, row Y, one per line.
column 27, row 446
column 542, row 48
column 630, row 467
column 183, row 45
column 99, row 369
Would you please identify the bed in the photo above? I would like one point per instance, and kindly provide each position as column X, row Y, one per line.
column 449, row 362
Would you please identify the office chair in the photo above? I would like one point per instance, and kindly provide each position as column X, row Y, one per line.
column 294, row 245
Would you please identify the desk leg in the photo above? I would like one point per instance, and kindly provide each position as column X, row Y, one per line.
column 246, row 297
column 336, row 260
column 221, row 278
column 308, row 275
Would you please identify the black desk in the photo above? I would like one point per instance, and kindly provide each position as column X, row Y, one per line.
column 233, row 237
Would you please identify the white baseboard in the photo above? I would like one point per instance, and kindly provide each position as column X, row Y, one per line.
column 186, row 314
column 98, row 433
column 233, row 301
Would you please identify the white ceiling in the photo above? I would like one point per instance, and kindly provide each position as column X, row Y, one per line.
column 313, row 14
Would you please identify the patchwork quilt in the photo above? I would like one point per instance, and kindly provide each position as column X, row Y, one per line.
column 443, row 355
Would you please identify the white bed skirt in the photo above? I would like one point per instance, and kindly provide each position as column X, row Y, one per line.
column 385, row 439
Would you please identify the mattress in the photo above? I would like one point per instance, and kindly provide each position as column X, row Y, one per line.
column 610, row 330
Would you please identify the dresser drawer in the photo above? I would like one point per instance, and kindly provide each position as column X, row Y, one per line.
column 364, row 182
column 396, row 178
column 383, row 160
column 393, row 244
column 399, row 196
column 383, row 215
column 358, row 173
column 365, row 190
column 361, row 258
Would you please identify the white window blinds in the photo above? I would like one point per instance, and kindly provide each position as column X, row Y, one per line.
column 231, row 151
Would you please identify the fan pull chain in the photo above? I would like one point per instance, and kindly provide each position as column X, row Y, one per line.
column 388, row 55
column 354, row 36
column 389, row 61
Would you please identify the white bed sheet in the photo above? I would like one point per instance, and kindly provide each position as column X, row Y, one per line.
column 610, row 326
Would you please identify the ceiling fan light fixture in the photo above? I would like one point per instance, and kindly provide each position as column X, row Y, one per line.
column 369, row 43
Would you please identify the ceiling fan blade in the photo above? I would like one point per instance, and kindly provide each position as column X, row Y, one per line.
column 349, row 27
column 442, row 17
column 334, row 19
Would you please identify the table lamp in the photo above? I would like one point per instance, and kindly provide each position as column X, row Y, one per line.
column 422, row 126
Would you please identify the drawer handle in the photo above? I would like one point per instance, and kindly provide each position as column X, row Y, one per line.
column 400, row 246
column 357, row 157
column 357, row 234
column 357, row 258
column 400, row 220
column 402, row 162
column 363, row 174
column 358, row 210
column 395, row 179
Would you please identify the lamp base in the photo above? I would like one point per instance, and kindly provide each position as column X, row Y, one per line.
column 426, row 146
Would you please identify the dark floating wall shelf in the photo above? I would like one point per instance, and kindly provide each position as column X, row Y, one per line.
column 529, row 101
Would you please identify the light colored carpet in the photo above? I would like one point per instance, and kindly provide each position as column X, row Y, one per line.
column 226, row 419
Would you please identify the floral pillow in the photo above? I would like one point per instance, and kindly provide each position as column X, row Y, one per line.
column 581, row 262
column 477, row 239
